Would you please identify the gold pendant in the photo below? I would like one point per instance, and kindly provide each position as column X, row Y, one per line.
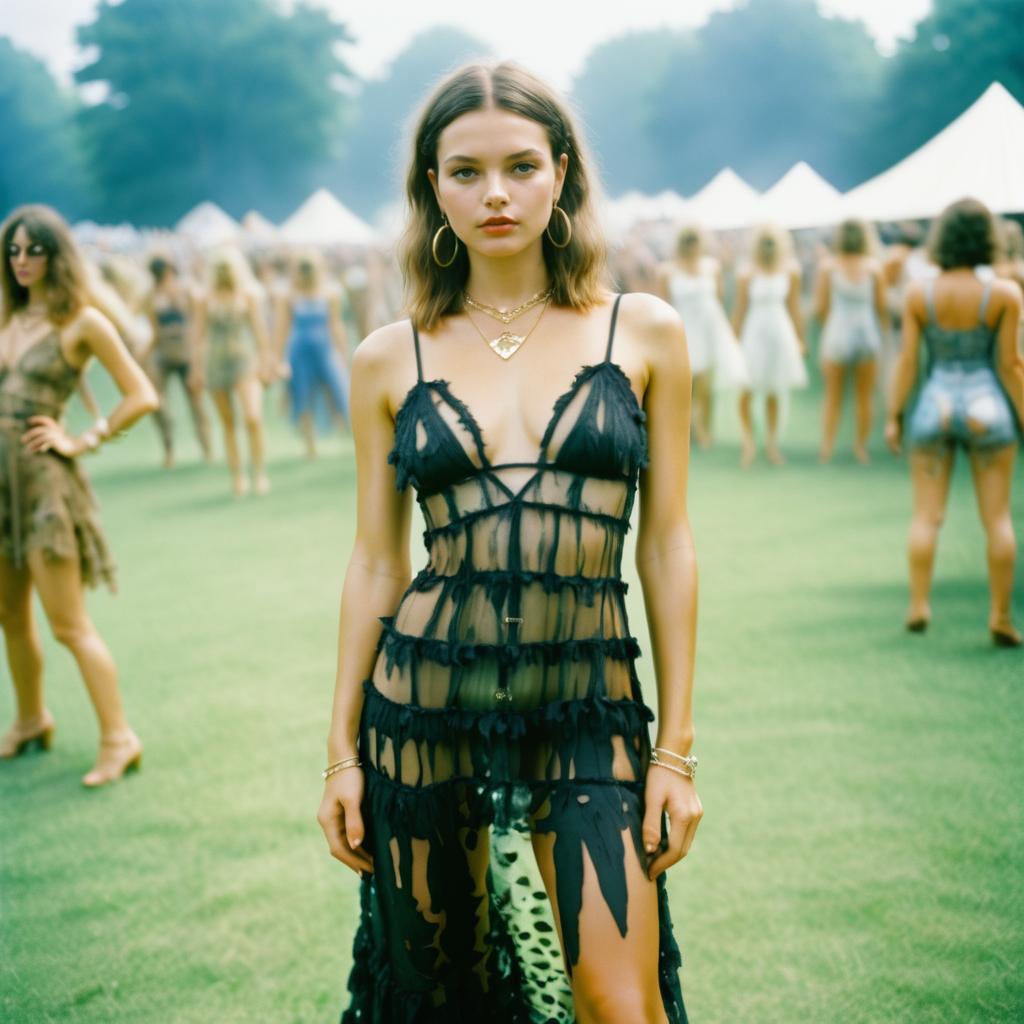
column 507, row 344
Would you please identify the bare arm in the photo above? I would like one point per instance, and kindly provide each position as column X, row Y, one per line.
column 337, row 327
column 667, row 566
column 95, row 335
column 822, row 293
column 1009, row 360
column 258, row 322
column 905, row 371
column 793, row 305
column 881, row 300
column 283, row 324
column 378, row 574
column 739, row 314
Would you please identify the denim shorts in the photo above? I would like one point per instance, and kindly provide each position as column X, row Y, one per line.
column 962, row 406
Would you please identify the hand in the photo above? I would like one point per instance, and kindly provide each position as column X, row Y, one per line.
column 894, row 435
column 283, row 370
column 668, row 792
column 46, row 435
column 341, row 818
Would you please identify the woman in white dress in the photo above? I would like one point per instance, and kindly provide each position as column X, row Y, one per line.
column 850, row 302
column 692, row 283
column 768, row 321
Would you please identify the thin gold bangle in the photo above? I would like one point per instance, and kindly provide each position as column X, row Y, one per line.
column 689, row 764
column 340, row 766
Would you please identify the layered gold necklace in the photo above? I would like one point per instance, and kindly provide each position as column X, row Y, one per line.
column 508, row 342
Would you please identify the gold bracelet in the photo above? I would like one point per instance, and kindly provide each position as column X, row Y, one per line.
column 340, row 766
column 687, row 766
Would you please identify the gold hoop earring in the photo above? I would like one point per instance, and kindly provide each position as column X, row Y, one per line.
column 568, row 228
column 437, row 238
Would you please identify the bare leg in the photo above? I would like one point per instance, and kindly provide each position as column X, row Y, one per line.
column 162, row 417
column 59, row 584
column 616, row 977
column 308, row 434
column 834, row 376
column 24, row 656
column 993, row 477
column 200, row 421
column 864, row 384
column 250, row 395
column 748, row 448
column 226, row 412
column 930, row 474
column 771, row 416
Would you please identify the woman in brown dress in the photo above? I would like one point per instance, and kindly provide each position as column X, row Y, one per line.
column 50, row 535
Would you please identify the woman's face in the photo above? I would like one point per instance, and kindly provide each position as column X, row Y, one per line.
column 497, row 180
column 28, row 259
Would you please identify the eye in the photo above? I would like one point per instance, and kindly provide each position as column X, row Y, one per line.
column 524, row 167
column 463, row 173
column 37, row 249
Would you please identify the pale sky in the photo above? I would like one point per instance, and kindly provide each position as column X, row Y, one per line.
column 550, row 38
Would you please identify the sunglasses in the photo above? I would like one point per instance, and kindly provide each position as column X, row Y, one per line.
column 34, row 250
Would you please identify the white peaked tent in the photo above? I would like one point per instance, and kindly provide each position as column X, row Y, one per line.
column 726, row 201
column 801, row 198
column 980, row 154
column 257, row 228
column 207, row 224
column 324, row 220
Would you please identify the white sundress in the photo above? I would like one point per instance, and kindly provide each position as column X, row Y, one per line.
column 769, row 340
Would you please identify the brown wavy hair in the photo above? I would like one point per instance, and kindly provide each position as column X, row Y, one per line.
column 965, row 235
column 578, row 272
column 67, row 291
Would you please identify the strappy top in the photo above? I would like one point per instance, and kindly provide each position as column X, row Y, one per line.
column 965, row 348
column 40, row 381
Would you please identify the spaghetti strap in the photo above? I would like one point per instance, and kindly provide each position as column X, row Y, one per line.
column 611, row 329
column 985, row 296
column 419, row 361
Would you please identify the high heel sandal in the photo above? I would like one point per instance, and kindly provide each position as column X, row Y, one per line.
column 117, row 757
column 16, row 741
column 1006, row 638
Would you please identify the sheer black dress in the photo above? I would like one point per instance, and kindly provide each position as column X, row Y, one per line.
column 504, row 701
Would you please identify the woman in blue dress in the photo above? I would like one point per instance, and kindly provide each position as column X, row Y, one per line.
column 309, row 320
column 972, row 397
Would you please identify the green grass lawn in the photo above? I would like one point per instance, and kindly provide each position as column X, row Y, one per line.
column 860, row 858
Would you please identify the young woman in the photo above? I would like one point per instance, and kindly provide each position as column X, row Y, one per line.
column 769, row 323
column 973, row 397
column 231, row 357
column 169, row 308
column 692, row 283
column 50, row 536
column 308, row 320
column 850, row 302
column 490, row 772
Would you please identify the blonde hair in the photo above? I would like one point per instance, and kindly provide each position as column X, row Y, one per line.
column 243, row 281
column 692, row 240
column 314, row 258
column 578, row 272
column 771, row 248
column 856, row 238
column 67, row 286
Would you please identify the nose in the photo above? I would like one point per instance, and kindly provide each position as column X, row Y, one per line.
column 497, row 196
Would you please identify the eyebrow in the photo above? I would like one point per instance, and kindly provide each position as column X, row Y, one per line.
column 512, row 156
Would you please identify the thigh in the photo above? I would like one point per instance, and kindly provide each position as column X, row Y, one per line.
column 15, row 591
column 58, row 581
column 864, row 376
column 224, row 406
column 834, row 375
column 993, row 478
column 590, row 855
column 250, row 397
column 931, row 470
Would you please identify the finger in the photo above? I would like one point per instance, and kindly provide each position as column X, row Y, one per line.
column 673, row 852
column 691, row 832
column 334, row 831
column 651, row 829
column 355, row 833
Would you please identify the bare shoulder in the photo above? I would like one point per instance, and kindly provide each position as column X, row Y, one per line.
column 649, row 319
column 91, row 323
column 385, row 362
column 1006, row 294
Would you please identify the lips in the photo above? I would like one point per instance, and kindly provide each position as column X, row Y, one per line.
column 496, row 222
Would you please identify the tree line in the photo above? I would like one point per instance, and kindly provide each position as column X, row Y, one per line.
column 252, row 106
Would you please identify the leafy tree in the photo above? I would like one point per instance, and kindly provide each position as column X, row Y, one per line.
column 957, row 51
column 368, row 174
column 232, row 101
column 39, row 158
column 769, row 83
column 615, row 94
